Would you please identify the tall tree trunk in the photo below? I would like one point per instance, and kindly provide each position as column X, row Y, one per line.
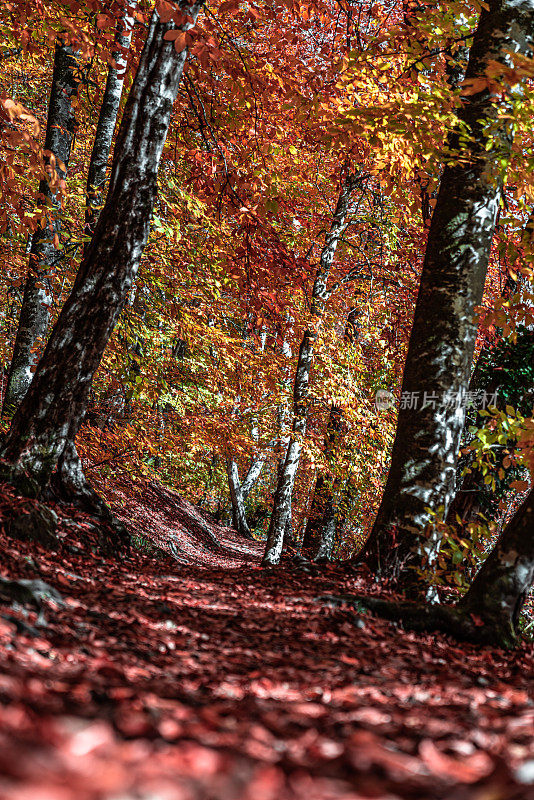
column 440, row 352
column 96, row 176
column 286, row 480
column 45, row 253
column 70, row 480
column 505, row 370
column 54, row 406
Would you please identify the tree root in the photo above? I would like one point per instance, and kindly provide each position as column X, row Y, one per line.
column 34, row 521
column 455, row 621
column 28, row 592
column 20, row 480
column 31, row 521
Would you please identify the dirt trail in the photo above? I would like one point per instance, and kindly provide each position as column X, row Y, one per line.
column 216, row 680
column 182, row 529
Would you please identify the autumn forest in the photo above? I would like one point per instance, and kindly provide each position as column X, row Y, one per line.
column 267, row 397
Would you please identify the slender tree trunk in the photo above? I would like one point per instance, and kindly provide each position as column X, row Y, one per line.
column 45, row 253
column 314, row 524
column 322, row 512
column 70, row 480
column 320, row 531
column 319, row 534
column 284, row 410
column 253, row 473
column 238, row 501
column 54, row 406
column 424, row 458
column 96, row 176
column 328, row 533
column 286, row 481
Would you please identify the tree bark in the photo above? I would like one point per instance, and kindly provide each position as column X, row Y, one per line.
column 314, row 524
column 286, row 480
column 500, row 587
column 440, row 352
column 70, row 480
column 54, row 406
column 327, row 536
column 489, row 612
column 238, row 501
column 109, row 109
column 253, row 473
column 318, row 538
column 45, row 253
column 507, row 370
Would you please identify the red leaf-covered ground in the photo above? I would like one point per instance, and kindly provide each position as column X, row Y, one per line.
column 216, row 680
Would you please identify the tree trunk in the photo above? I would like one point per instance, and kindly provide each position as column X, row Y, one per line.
column 45, row 253
column 70, row 480
column 286, row 479
column 54, row 406
column 504, row 369
column 238, row 501
column 314, row 525
column 96, row 176
column 320, row 528
column 489, row 612
column 440, row 352
column 319, row 534
column 323, row 553
column 253, row 473
column 500, row 587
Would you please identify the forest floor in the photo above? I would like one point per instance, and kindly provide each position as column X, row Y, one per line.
column 204, row 677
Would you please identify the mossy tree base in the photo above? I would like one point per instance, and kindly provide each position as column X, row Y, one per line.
column 32, row 520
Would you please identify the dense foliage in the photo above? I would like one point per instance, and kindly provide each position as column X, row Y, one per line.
column 276, row 103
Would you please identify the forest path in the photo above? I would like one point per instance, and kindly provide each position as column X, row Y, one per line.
column 155, row 512
column 154, row 680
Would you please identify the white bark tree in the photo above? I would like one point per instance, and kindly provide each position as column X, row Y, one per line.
column 281, row 512
column 44, row 248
